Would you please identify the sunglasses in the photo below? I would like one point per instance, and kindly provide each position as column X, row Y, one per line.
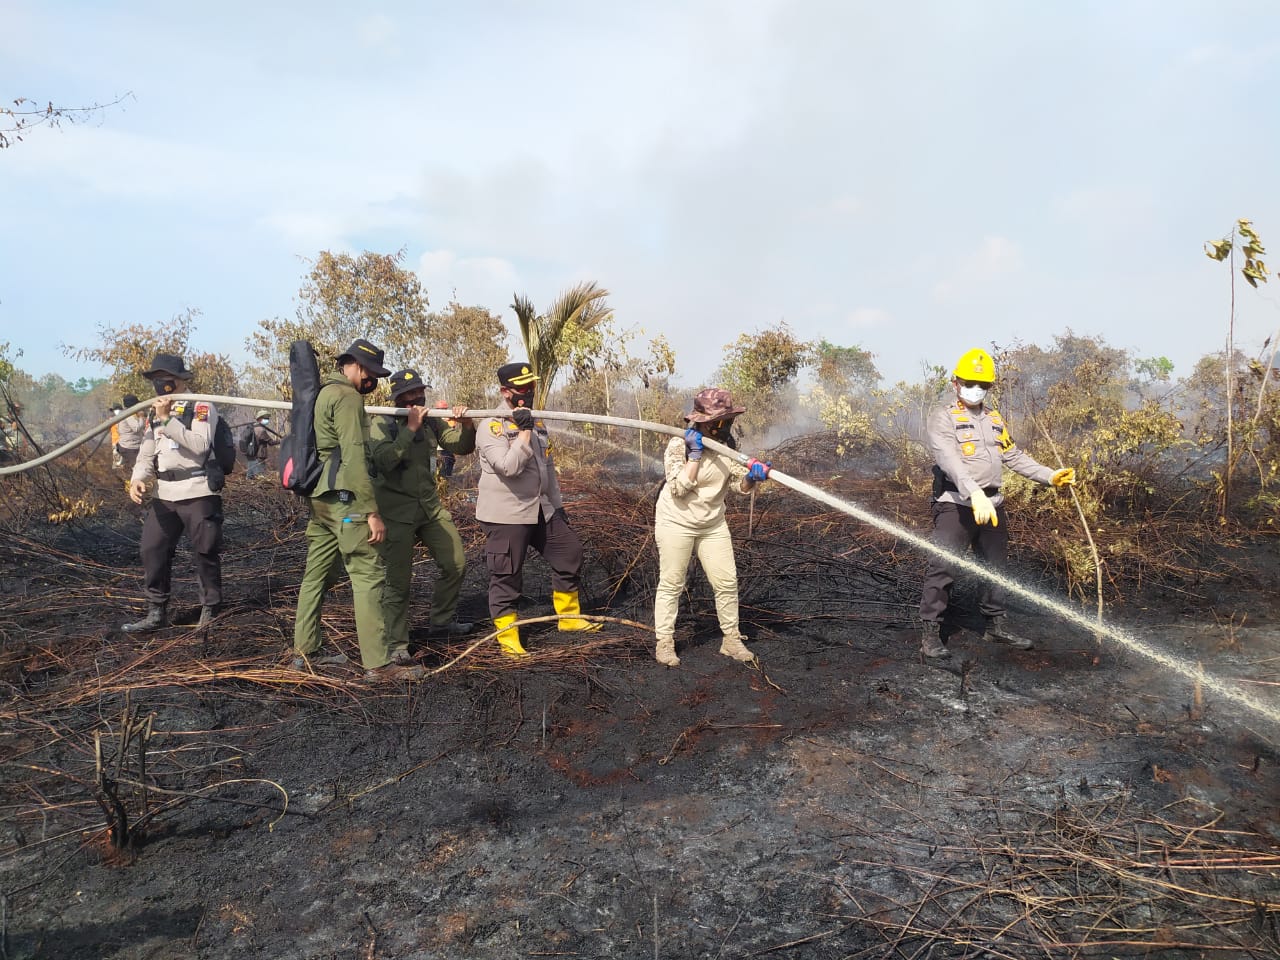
column 984, row 384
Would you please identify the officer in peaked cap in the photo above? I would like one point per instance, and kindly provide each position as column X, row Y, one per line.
column 519, row 506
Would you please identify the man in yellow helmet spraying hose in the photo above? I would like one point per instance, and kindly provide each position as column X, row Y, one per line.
column 971, row 446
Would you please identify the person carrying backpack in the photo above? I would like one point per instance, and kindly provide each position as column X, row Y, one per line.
column 255, row 443
column 345, row 523
column 178, row 452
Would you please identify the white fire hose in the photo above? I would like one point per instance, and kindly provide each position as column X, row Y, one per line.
column 1192, row 672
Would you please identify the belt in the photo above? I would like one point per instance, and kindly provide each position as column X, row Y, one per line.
column 184, row 474
column 950, row 487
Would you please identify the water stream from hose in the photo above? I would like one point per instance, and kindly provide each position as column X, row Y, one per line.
column 1192, row 672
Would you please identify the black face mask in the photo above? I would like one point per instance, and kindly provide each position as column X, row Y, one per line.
column 164, row 387
column 419, row 402
column 716, row 431
column 367, row 385
column 522, row 399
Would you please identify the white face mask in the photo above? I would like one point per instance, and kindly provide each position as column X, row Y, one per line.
column 264, row 421
column 973, row 395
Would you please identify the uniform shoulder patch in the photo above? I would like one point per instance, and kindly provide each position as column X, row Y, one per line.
column 495, row 427
column 202, row 412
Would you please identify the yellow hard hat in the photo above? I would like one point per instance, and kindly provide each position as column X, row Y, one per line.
column 975, row 364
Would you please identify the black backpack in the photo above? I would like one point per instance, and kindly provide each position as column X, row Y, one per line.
column 249, row 442
column 224, row 446
column 223, row 452
column 299, row 460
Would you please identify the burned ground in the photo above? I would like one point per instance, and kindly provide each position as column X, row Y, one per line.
column 840, row 799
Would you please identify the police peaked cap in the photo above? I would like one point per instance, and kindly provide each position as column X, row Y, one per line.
column 367, row 355
column 168, row 363
column 402, row 381
column 513, row 375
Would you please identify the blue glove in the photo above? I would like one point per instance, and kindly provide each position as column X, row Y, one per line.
column 693, row 444
column 757, row 470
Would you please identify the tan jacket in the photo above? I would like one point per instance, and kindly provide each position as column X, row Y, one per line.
column 173, row 448
column 517, row 479
column 698, row 505
column 973, row 448
column 130, row 431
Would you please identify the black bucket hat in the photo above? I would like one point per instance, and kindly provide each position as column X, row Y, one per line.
column 516, row 375
column 168, row 363
column 367, row 355
column 129, row 401
column 402, row 381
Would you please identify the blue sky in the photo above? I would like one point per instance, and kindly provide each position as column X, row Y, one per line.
column 912, row 178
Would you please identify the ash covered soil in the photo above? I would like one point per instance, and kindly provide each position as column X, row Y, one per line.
column 841, row 798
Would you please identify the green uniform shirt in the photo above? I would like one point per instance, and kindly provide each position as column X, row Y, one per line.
column 342, row 437
column 405, row 463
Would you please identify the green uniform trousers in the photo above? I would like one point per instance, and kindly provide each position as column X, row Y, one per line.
column 437, row 533
column 333, row 536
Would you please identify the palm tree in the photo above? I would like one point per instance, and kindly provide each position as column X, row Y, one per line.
column 577, row 309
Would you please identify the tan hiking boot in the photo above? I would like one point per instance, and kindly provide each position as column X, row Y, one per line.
column 666, row 652
column 931, row 641
column 731, row 646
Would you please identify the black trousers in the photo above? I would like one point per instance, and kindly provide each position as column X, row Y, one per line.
column 505, row 551
column 165, row 522
column 955, row 529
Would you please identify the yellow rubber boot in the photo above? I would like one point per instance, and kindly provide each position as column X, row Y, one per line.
column 509, row 636
column 566, row 605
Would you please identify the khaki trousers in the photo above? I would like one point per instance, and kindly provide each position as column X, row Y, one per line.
column 676, row 544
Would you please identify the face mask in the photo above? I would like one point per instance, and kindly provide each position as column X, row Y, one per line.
column 164, row 387
column 718, row 430
column 367, row 385
column 973, row 395
column 264, row 421
column 416, row 402
column 521, row 398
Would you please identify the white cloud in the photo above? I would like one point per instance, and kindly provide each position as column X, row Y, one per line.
column 866, row 318
column 486, row 281
column 994, row 261
column 378, row 33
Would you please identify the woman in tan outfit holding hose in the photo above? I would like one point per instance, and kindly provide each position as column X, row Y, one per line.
column 689, row 518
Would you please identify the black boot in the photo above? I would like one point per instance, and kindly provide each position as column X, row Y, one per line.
column 155, row 619
column 931, row 641
column 207, row 614
column 998, row 632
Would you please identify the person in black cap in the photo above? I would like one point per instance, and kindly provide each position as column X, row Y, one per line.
column 177, row 452
column 345, row 522
column 518, row 505
column 404, row 450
